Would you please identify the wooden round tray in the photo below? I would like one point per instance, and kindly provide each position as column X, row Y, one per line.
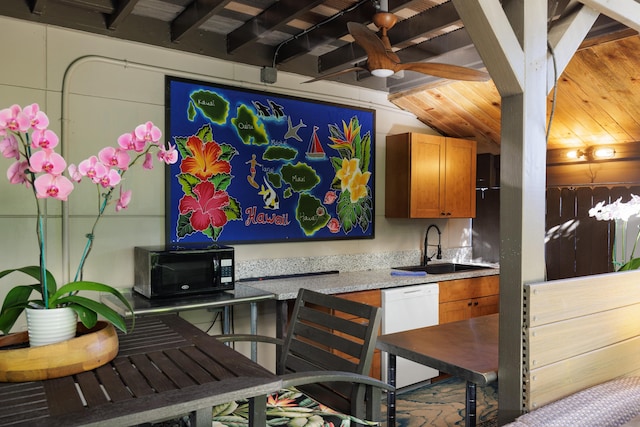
column 90, row 349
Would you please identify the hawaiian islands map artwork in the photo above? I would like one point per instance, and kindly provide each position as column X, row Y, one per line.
column 258, row 167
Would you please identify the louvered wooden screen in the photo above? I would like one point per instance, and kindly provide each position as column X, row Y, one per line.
column 576, row 244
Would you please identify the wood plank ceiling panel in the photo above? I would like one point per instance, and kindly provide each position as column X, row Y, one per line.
column 598, row 101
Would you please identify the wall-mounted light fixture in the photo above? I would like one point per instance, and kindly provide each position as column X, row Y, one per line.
column 592, row 153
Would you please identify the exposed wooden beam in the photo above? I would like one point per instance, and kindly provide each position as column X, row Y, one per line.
column 38, row 6
column 125, row 7
column 417, row 26
column 565, row 36
column 195, row 15
column 625, row 11
column 270, row 19
column 337, row 28
column 496, row 42
column 511, row 37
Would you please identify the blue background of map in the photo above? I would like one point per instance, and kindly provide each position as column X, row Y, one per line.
column 273, row 112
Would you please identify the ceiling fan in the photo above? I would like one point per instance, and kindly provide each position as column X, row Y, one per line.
column 383, row 62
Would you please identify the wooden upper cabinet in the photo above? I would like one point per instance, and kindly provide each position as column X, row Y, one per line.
column 429, row 176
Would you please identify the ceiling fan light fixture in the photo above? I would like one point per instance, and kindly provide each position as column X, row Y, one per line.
column 382, row 72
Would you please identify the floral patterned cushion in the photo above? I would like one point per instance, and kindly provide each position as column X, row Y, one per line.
column 289, row 407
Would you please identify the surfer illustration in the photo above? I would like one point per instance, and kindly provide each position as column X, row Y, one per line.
column 252, row 178
column 292, row 131
column 269, row 196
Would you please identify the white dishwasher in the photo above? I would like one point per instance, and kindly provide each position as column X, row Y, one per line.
column 405, row 308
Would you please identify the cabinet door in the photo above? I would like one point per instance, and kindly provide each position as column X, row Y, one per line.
column 427, row 176
column 454, row 311
column 485, row 305
column 459, row 195
column 466, row 309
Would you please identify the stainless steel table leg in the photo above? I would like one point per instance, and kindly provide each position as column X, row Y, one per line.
column 226, row 320
column 391, row 394
column 253, row 309
column 470, row 405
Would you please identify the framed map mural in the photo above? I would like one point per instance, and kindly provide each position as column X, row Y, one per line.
column 260, row 167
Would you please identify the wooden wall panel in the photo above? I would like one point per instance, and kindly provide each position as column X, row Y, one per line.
column 577, row 244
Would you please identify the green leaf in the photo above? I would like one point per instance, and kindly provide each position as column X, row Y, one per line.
column 205, row 133
column 233, row 210
column 33, row 271
column 98, row 308
column 187, row 182
column 633, row 264
column 221, row 181
column 228, row 152
column 184, row 228
column 88, row 317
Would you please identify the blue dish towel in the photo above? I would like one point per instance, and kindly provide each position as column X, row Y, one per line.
column 408, row 273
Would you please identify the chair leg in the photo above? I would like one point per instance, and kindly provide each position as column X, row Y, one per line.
column 200, row 417
column 258, row 411
column 374, row 401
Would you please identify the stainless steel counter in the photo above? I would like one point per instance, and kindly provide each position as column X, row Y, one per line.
column 242, row 294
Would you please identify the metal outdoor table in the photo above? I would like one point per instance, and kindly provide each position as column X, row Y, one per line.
column 242, row 294
column 165, row 368
column 467, row 349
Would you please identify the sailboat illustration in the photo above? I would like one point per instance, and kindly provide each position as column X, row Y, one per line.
column 315, row 150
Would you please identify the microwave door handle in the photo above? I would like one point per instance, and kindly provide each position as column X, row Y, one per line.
column 216, row 271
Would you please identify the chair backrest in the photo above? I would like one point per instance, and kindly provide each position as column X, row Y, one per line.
column 334, row 334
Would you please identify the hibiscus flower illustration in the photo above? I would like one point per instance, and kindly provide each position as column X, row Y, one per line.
column 205, row 161
column 206, row 207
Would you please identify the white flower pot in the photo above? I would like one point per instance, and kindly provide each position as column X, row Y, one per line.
column 50, row 326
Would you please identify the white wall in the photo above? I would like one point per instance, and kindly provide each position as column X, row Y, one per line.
column 104, row 98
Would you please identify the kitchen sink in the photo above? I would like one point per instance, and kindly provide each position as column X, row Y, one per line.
column 442, row 268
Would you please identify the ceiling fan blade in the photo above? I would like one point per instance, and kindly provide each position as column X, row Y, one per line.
column 335, row 74
column 447, row 71
column 379, row 56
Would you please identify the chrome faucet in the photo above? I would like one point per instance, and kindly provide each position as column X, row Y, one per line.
column 438, row 254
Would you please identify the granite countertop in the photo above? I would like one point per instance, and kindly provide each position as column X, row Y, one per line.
column 286, row 288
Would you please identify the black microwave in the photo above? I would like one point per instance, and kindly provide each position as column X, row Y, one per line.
column 183, row 270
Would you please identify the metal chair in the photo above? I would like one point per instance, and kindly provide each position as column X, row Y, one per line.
column 327, row 353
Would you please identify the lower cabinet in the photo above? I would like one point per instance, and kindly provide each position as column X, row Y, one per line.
column 466, row 298
column 374, row 298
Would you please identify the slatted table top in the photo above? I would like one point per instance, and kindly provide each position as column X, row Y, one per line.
column 165, row 367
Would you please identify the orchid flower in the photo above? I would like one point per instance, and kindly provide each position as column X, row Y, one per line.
column 148, row 132
column 17, row 173
column 123, row 200
column 38, row 120
column 47, row 161
column 56, row 186
column 109, row 179
column 9, row 147
column 169, row 155
column 114, row 157
column 44, row 138
column 128, row 141
column 14, row 119
column 148, row 161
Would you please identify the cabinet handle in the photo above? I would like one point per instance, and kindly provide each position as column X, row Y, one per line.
column 475, row 303
column 469, row 304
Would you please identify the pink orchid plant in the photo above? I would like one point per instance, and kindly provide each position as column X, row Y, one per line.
column 27, row 141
